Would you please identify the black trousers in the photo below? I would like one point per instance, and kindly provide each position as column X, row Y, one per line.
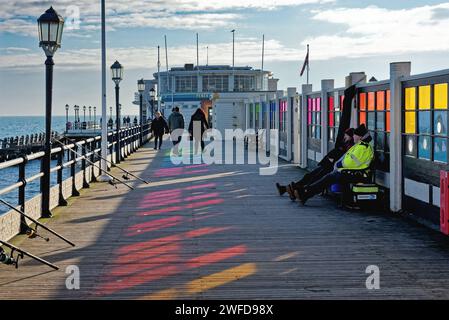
column 335, row 177
column 313, row 176
column 158, row 137
column 178, row 141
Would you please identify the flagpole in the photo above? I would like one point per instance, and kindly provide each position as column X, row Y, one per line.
column 158, row 78
column 308, row 63
column 104, row 125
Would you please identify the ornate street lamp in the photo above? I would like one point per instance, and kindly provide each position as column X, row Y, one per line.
column 95, row 117
column 84, row 112
column 117, row 76
column 152, row 97
column 90, row 113
column 66, row 115
column 50, row 27
column 141, row 89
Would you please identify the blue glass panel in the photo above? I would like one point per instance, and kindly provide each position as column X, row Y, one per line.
column 424, row 121
column 440, row 150
column 371, row 121
column 440, row 123
column 380, row 122
column 380, row 141
column 424, row 147
column 337, row 119
column 318, row 132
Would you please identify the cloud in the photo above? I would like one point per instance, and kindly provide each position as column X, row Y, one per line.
column 169, row 14
column 372, row 31
column 248, row 52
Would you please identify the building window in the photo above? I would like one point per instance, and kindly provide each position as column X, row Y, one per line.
column 374, row 113
column 186, row 84
column 426, row 122
column 335, row 109
column 314, row 117
column 282, row 116
column 215, row 83
column 244, row 83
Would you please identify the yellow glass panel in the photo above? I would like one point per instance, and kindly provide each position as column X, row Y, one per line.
column 410, row 122
column 440, row 96
column 424, row 97
column 410, row 98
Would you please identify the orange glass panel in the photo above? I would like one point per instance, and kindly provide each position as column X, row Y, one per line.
column 362, row 118
column 388, row 100
column 380, row 100
column 371, row 101
column 362, row 101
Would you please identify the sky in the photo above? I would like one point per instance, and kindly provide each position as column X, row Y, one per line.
column 344, row 36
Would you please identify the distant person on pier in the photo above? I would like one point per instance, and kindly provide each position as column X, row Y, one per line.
column 176, row 122
column 158, row 127
column 353, row 167
column 324, row 167
column 198, row 125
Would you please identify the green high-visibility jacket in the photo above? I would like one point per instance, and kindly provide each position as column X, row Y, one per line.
column 359, row 157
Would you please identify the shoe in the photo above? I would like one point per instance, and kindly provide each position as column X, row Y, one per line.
column 301, row 194
column 291, row 192
column 281, row 189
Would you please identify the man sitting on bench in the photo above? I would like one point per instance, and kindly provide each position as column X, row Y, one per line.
column 353, row 167
column 324, row 167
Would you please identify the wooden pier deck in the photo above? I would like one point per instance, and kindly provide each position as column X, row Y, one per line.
column 220, row 231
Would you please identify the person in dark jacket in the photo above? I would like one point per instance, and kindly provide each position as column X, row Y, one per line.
column 324, row 167
column 353, row 167
column 158, row 127
column 198, row 125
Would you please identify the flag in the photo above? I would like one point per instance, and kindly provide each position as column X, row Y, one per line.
column 306, row 62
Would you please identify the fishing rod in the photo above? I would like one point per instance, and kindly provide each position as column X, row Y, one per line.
column 11, row 260
column 93, row 164
column 125, row 176
column 32, row 233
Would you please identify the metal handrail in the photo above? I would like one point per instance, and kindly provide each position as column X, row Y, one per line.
column 130, row 137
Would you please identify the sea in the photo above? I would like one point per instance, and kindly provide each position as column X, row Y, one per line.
column 12, row 126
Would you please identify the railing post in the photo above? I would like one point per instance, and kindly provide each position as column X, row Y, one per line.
column 398, row 70
column 22, row 198
column 75, row 192
column 305, row 89
column 93, row 146
column 83, row 166
column 326, row 86
column 61, row 200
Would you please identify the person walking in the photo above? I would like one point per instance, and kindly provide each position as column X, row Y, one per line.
column 158, row 127
column 198, row 125
column 175, row 122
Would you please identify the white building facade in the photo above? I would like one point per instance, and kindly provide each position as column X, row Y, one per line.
column 220, row 91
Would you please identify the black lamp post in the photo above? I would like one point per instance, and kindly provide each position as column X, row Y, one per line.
column 141, row 89
column 90, row 113
column 95, row 117
column 50, row 25
column 152, row 96
column 84, row 112
column 117, row 76
column 66, row 116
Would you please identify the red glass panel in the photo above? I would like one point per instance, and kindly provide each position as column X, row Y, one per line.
column 362, row 118
column 362, row 101
column 371, row 101
column 380, row 100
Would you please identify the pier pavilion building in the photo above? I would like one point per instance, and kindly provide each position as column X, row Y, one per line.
column 220, row 90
